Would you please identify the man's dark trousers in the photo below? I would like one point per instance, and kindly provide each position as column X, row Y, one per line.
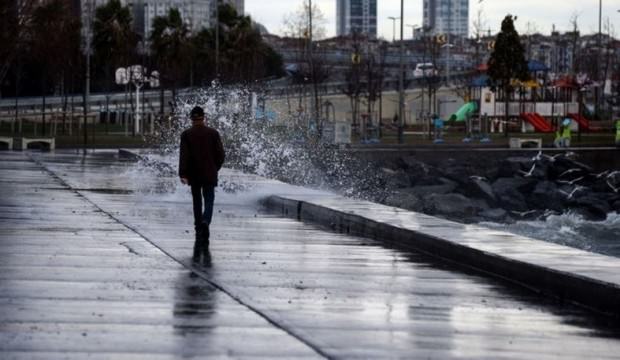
column 202, row 219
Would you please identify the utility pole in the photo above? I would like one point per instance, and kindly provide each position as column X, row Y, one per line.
column 401, row 80
column 598, row 58
column 217, row 39
column 393, row 18
column 87, row 51
column 413, row 29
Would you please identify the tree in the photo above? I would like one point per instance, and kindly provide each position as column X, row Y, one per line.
column 507, row 62
column 114, row 40
column 307, row 25
column 171, row 46
column 16, row 17
column 244, row 56
column 296, row 23
column 54, row 33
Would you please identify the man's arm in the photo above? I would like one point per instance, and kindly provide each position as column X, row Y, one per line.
column 183, row 159
column 219, row 151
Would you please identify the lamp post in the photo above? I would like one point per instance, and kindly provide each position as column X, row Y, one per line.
column 87, row 53
column 217, row 39
column 413, row 29
column 448, row 61
column 599, row 57
column 393, row 18
column 401, row 80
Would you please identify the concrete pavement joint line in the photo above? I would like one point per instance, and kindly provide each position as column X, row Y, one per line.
column 591, row 293
column 203, row 276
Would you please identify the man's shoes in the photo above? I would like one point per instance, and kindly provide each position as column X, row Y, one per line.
column 198, row 244
column 197, row 252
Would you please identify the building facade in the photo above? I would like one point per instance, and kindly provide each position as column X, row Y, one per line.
column 196, row 14
column 446, row 17
column 356, row 16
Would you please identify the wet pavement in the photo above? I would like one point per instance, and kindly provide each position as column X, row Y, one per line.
column 95, row 261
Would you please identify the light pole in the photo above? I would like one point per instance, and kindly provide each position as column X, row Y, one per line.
column 217, row 39
column 598, row 59
column 448, row 61
column 393, row 18
column 401, row 80
column 413, row 29
column 87, row 54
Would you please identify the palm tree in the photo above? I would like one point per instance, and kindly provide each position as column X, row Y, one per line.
column 114, row 40
column 171, row 47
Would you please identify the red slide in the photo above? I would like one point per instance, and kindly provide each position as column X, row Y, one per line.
column 583, row 122
column 538, row 122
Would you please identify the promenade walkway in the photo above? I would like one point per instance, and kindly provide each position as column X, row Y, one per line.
column 95, row 261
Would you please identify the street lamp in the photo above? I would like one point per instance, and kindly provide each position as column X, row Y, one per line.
column 393, row 18
column 138, row 76
column 413, row 29
column 401, row 80
column 448, row 60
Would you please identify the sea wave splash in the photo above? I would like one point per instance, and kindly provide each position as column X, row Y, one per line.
column 571, row 229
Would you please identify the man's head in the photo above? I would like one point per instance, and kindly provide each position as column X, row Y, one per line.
column 197, row 114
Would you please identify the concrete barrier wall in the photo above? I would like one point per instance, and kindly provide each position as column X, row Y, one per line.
column 599, row 295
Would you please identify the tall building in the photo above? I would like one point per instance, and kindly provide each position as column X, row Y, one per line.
column 356, row 16
column 196, row 14
column 447, row 17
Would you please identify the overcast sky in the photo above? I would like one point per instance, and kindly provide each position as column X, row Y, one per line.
column 541, row 14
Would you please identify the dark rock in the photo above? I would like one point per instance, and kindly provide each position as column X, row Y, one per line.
column 480, row 188
column 616, row 206
column 567, row 169
column 404, row 200
column 594, row 206
column 513, row 166
column 508, row 184
column 453, row 205
column 396, row 179
column 546, row 196
column 414, row 165
column 496, row 215
column 431, row 189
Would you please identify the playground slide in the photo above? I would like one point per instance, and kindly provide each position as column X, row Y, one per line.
column 538, row 122
column 465, row 111
column 583, row 122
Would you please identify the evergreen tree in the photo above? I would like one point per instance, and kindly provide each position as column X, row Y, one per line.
column 507, row 62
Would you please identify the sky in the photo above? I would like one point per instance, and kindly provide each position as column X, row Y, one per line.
column 538, row 15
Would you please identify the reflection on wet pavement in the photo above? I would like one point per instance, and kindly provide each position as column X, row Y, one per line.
column 275, row 287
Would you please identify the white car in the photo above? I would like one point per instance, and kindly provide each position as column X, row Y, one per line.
column 424, row 70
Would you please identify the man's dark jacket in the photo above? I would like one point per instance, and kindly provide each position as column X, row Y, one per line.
column 202, row 155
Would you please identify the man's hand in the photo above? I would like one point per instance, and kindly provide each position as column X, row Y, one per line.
column 184, row 181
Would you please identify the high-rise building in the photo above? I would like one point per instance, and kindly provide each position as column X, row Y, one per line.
column 196, row 14
column 447, row 17
column 356, row 16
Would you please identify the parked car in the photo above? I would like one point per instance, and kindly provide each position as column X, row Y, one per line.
column 424, row 70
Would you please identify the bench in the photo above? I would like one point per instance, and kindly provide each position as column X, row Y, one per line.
column 8, row 141
column 517, row 143
column 23, row 143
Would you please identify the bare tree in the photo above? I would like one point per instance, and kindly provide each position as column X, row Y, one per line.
column 14, row 28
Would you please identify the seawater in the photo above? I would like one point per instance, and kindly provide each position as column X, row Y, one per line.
column 571, row 230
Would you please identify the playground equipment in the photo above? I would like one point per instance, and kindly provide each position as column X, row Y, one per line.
column 583, row 122
column 538, row 122
column 466, row 111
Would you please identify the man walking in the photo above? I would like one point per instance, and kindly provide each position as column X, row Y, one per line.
column 201, row 157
